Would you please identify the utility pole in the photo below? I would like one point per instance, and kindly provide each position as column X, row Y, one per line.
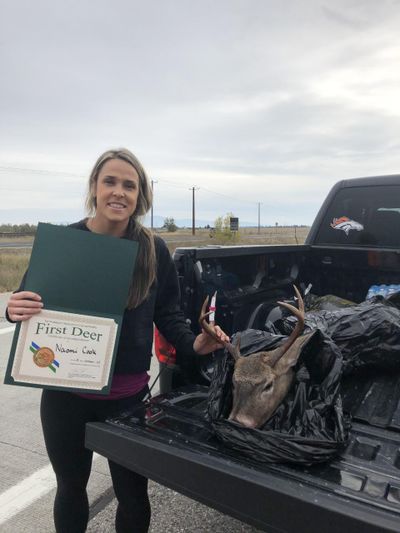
column 193, row 189
column 152, row 189
column 259, row 203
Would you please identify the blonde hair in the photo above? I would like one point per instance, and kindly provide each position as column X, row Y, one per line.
column 145, row 268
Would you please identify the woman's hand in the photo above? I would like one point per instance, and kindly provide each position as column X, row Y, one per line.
column 204, row 343
column 22, row 305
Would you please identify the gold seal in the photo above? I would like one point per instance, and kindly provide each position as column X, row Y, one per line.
column 43, row 357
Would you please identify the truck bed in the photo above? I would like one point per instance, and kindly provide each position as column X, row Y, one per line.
column 357, row 492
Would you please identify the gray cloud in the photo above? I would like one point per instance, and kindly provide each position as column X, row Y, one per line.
column 257, row 101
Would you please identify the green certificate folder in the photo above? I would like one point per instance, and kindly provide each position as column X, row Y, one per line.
column 83, row 279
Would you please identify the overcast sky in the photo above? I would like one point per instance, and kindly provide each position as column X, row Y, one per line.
column 247, row 100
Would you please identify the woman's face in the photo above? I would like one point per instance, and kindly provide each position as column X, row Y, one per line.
column 116, row 192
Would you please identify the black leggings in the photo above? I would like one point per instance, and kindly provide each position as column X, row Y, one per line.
column 64, row 416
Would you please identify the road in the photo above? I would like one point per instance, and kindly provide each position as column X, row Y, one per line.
column 27, row 484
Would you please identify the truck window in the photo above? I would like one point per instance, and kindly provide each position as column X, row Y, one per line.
column 363, row 216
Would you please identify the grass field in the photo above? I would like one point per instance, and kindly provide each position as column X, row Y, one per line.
column 203, row 237
column 13, row 262
column 21, row 240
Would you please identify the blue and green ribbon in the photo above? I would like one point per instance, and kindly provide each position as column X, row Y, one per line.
column 52, row 366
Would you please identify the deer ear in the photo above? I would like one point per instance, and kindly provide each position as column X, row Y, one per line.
column 291, row 357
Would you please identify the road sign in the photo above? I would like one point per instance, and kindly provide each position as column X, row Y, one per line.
column 234, row 224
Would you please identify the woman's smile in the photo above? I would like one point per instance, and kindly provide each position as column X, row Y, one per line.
column 117, row 206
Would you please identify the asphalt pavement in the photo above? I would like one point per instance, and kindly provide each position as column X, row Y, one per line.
column 27, row 484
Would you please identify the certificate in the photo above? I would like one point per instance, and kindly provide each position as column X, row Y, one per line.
column 84, row 280
column 65, row 350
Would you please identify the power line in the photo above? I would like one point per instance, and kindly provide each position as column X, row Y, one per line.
column 71, row 174
column 162, row 181
column 229, row 197
column 172, row 184
column 41, row 171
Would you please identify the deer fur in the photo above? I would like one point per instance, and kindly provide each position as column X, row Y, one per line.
column 262, row 380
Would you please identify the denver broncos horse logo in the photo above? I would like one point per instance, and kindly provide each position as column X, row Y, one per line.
column 346, row 224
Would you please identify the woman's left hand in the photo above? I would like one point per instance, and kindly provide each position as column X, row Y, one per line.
column 205, row 344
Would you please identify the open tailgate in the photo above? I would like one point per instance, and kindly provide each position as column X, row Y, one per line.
column 173, row 445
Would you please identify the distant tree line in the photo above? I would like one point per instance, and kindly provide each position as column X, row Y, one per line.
column 18, row 228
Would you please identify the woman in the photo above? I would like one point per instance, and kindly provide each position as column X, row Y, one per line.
column 118, row 194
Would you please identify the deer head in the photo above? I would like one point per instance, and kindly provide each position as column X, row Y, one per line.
column 261, row 380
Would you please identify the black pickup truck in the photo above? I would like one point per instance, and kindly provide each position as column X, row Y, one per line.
column 353, row 244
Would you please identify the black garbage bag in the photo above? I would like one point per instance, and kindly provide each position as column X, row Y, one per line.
column 367, row 334
column 308, row 427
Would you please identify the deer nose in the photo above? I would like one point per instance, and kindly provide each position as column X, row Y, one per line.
column 244, row 420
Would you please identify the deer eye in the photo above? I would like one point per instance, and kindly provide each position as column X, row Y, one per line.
column 268, row 387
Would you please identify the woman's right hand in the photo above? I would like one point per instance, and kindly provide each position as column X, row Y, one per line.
column 22, row 305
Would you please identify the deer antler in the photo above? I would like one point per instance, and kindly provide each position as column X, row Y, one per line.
column 299, row 313
column 233, row 350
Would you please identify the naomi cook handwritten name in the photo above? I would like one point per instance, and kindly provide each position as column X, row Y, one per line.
column 85, row 350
